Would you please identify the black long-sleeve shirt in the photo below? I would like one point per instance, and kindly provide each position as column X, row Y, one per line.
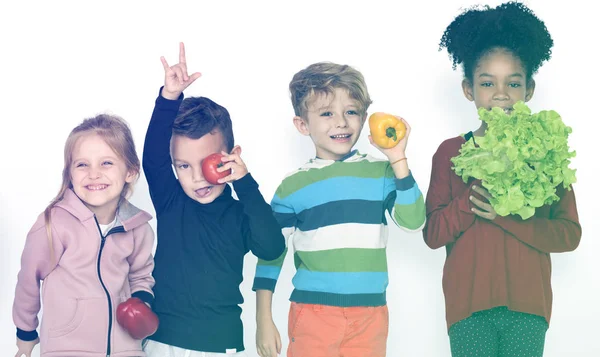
column 201, row 247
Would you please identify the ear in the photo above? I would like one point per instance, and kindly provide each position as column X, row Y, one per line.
column 237, row 150
column 302, row 125
column 530, row 89
column 467, row 88
column 131, row 176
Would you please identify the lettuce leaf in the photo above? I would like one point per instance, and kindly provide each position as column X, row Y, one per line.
column 520, row 160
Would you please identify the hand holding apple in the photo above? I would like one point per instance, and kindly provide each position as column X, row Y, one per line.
column 137, row 318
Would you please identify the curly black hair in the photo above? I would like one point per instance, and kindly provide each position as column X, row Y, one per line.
column 511, row 26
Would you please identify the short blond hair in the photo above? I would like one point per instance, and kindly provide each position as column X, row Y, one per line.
column 324, row 78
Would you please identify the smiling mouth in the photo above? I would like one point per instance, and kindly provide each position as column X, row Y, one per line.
column 96, row 187
column 341, row 136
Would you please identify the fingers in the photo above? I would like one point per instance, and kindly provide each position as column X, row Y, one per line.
column 182, row 62
column 482, row 191
column 278, row 344
column 234, row 163
column 179, row 73
column 486, row 215
column 227, row 166
column 229, row 178
column 405, row 124
column 480, row 204
column 232, row 158
column 271, row 351
column 194, row 76
column 483, row 209
column 165, row 64
column 181, row 52
column 264, row 350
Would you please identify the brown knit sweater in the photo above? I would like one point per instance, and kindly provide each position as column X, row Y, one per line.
column 504, row 262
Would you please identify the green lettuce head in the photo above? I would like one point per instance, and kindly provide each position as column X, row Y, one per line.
column 520, row 160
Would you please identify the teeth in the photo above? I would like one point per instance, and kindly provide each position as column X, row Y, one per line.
column 96, row 187
column 341, row 136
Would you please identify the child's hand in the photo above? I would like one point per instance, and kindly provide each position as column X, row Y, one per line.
column 484, row 209
column 268, row 340
column 234, row 162
column 398, row 151
column 26, row 347
column 176, row 77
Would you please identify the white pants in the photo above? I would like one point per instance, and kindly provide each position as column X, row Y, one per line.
column 157, row 349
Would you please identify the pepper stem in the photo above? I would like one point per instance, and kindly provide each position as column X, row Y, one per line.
column 391, row 133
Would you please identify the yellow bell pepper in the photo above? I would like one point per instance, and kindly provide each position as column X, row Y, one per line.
column 386, row 130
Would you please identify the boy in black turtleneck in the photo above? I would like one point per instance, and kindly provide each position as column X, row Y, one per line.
column 203, row 232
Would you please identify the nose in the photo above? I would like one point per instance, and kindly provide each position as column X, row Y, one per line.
column 94, row 173
column 197, row 175
column 341, row 121
column 501, row 94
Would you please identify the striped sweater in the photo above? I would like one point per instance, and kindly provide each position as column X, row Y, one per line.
column 333, row 215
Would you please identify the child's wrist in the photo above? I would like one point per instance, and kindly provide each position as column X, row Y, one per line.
column 169, row 95
column 394, row 156
column 264, row 318
column 398, row 160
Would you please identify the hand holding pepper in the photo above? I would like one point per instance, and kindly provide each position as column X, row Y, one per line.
column 389, row 134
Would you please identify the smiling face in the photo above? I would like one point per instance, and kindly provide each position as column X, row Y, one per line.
column 98, row 175
column 499, row 80
column 333, row 122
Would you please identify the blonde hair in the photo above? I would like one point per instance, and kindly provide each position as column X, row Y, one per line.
column 324, row 78
column 117, row 135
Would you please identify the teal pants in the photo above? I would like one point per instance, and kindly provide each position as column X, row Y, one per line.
column 498, row 332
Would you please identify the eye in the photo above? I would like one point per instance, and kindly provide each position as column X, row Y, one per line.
column 487, row 84
column 80, row 164
column 183, row 166
column 352, row 112
column 107, row 163
column 326, row 114
column 514, row 85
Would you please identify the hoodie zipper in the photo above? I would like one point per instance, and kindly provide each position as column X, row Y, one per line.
column 103, row 240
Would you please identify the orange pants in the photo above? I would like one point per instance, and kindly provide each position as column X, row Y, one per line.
column 330, row 331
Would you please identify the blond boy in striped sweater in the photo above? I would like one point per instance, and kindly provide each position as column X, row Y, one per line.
column 332, row 211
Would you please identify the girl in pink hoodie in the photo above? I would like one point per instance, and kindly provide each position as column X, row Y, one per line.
column 91, row 248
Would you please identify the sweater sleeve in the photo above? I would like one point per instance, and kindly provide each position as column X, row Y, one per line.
column 36, row 263
column 447, row 217
column 404, row 202
column 260, row 229
column 267, row 271
column 561, row 232
column 156, row 159
column 141, row 264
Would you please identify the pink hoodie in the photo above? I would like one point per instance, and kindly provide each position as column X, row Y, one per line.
column 91, row 277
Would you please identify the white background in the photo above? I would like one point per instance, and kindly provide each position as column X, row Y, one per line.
column 62, row 62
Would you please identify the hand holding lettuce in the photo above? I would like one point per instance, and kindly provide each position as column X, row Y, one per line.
column 521, row 159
